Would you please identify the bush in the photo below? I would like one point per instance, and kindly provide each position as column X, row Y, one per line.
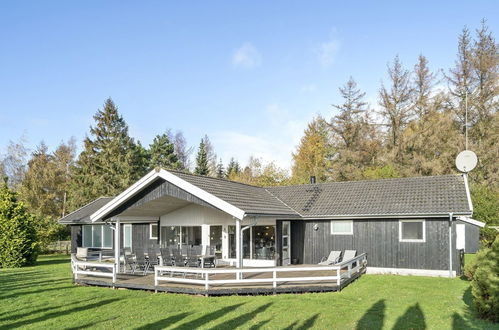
column 470, row 268
column 18, row 240
column 487, row 236
column 485, row 284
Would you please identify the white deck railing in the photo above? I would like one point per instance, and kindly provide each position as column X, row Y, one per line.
column 343, row 271
column 80, row 267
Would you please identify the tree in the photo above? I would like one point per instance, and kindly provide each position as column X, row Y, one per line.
column 111, row 160
column 18, row 241
column 181, row 150
column 396, row 101
column 313, row 153
column 64, row 158
column 211, row 156
column 202, row 160
column 348, row 123
column 162, row 153
column 220, row 170
column 424, row 82
column 15, row 162
column 485, row 284
column 485, row 203
column 233, row 169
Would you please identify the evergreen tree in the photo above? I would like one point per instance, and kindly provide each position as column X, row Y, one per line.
column 220, row 170
column 111, row 160
column 202, row 160
column 233, row 168
column 211, row 156
column 162, row 153
column 396, row 101
column 18, row 241
column 424, row 82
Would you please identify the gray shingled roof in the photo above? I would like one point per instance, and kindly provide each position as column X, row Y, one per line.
column 250, row 199
column 417, row 195
column 82, row 215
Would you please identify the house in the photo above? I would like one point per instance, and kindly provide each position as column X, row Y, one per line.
column 407, row 226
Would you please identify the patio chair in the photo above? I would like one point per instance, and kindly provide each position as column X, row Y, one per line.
column 141, row 261
column 131, row 262
column 153, row 258
column 192, row 259
column 348, row 254
column 208, row 258
column 178, row 259
column 166, row 256
column 334, row 257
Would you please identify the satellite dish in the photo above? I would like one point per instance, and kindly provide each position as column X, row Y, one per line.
column 466, row 161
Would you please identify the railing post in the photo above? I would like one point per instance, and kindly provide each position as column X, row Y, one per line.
column 206, row 283
column 114, row 273
column 274, row 276
column 155, row 277
column 349, row 271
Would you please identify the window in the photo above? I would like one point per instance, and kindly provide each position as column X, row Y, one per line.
column 174, row 235
column 127, row 236
column 258, row 242
column 216, row 238
column 412, row 231
column 342, row 227
column 97, row 236
column 153, row 231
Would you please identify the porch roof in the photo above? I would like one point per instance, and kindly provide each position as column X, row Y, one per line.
column 82, row 215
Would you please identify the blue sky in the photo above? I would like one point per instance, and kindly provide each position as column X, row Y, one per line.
column 250, row 74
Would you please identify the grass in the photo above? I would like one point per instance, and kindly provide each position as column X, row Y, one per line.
column 44, row 297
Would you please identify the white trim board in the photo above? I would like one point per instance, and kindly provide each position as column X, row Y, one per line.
column 472, row 221
column 173, row 179
column 410, row 272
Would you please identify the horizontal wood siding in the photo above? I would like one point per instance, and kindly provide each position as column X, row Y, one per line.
column 379, row 238
column 155, row 190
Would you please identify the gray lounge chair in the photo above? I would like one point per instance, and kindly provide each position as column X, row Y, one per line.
column 348, row 254
column 333, row 258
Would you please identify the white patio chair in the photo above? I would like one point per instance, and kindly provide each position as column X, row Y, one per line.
column 349, row 254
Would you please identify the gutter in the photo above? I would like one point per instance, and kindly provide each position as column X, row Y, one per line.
column 468, row 194
column 450, row 244
column 386, row 216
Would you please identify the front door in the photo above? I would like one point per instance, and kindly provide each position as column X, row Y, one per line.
column 286, row 243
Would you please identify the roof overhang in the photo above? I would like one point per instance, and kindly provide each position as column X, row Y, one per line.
column 173, row 179
column 472, row 221
column 384, row 216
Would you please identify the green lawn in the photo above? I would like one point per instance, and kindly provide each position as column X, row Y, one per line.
column 44, row 297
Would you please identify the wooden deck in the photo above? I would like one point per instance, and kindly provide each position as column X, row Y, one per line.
column 146, row 282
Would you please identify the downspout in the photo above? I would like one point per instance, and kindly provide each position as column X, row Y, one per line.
column 450, row 244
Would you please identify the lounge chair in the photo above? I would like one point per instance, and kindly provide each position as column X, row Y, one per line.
column 333, row 258
column 348, row 254
column 82, row 253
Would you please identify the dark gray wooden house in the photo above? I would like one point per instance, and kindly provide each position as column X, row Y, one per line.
column 406, row 226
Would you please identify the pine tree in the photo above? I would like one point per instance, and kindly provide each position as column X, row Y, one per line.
column 202, row 160
column 396, row 101
column 111, row 160
column 233, row 168
column 162, row 153
column 211, row 156
column 424, row 82
column 220, row 170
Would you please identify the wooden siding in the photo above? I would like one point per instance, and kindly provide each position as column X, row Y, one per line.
column 155, row 190
column 472, row 237
column 75, row 237
column 379, row 238
column 140, row 237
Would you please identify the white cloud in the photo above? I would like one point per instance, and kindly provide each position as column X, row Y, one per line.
column 327, row 51
column 246, row 56
column 275, row 142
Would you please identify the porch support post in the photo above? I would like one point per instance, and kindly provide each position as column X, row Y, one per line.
column 239, row 252
column 117, row 245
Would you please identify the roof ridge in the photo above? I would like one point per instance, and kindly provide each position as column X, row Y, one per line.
column 367, row 180
column 284, row 203
column 214, row 178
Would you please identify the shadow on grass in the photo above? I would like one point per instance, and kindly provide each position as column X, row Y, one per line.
column 242, row 319
column 208, row 317
column 27, row 284
column 169, row 321
column 52, row 261
column 24, row 293
column 23, row 314
column 52, row 315
column 413, row 318
column 309, row 323
column 374, row 317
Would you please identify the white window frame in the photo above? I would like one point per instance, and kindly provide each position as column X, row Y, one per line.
column 350, row 232
column 423, row 221
column 155, row 236
column 128, row 225
column 101, row 228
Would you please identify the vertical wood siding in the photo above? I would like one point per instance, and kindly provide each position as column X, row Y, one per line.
column 379, row 238
column 75, row 237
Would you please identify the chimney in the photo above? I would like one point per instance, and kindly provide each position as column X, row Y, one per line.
column 312, row 179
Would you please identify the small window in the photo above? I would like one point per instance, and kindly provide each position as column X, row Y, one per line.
column 412, row 231
column 153, row 231
column 97, row 236
column 127, row 236
column 342, row 227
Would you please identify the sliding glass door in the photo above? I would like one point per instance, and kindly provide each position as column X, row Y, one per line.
column 176, row 235
column 258, row 242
